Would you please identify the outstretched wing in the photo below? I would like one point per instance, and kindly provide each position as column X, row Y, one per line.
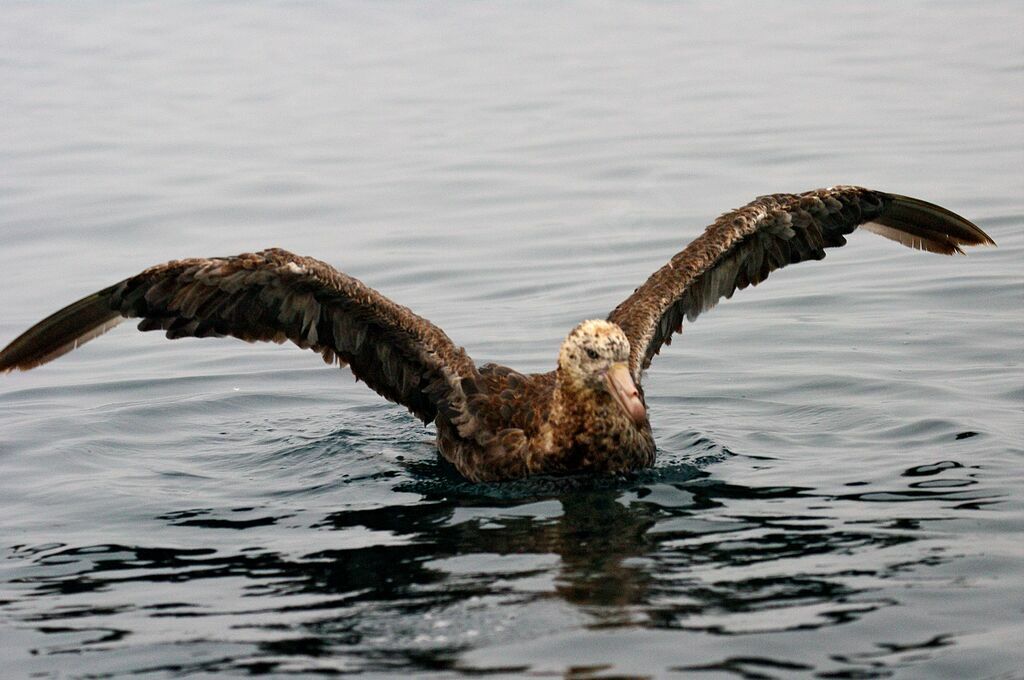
column 277, row 296
column 743, row 246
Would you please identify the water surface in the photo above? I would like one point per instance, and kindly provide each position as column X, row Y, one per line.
column 839, row 486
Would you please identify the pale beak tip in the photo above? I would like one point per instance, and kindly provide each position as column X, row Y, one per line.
column 626, row 394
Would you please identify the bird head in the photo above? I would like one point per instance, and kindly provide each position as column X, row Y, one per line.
column 595, row 357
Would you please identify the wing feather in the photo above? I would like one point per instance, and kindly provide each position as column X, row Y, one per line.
column 275, row 296
column 744, row 246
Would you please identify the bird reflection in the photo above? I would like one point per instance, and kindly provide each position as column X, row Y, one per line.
column 624, row 552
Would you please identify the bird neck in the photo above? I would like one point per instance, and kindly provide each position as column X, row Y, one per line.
column 588, row 430
column 578, row 408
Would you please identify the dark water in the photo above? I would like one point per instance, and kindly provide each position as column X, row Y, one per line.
column 840, row 484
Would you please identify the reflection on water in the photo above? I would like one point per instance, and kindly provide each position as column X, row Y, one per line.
column 466, row 565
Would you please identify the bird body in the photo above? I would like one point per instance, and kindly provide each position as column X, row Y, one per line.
column 562, row 421
column 493, row 423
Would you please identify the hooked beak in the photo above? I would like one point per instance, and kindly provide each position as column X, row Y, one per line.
column 625, row 393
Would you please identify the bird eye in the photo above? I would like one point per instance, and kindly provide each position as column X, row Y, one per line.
column 591, row 353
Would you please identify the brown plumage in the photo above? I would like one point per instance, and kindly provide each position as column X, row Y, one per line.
column 492, row 422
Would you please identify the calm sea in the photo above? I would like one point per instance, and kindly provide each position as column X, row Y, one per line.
column 840, row 484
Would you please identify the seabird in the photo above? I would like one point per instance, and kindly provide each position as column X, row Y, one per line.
column 494, row 423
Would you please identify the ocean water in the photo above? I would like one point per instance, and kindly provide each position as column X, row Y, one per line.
column 839, row 491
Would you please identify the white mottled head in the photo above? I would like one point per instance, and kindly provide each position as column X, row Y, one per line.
column 595, row 356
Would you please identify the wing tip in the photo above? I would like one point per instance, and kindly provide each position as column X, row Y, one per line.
column 60, row 333
column 926, row 226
